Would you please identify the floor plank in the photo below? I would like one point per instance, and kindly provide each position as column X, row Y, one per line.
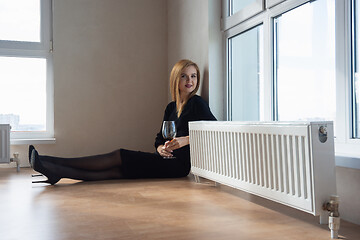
column 146, row 209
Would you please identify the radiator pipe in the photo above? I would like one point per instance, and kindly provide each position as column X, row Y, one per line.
column 334, row 217
column 17, row 160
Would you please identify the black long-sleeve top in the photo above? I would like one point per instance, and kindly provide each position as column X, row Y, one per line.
column 136, row 164
column 196, row 109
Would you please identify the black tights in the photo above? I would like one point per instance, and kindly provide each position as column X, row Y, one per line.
column 91, row 168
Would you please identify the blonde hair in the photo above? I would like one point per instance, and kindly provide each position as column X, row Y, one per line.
column 175, row 77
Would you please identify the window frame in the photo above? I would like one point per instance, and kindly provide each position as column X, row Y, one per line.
column 345, row 146
column 229, row 21
column 42, row 49
column 271, row 3
column 353, row 64
column 239, row 29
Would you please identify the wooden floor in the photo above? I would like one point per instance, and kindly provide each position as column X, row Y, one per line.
column 146, row 209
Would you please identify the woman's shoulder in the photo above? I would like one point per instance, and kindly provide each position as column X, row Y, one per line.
column 197, row 100
column 200, row 108
column 171, row 106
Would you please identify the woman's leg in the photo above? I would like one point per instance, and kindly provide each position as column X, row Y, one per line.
column 79, row 174
column 93, row 163
column 54, row 172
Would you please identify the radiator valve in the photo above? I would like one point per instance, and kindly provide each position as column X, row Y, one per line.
column 323, row 134
column 334, row 217
column 16, row 160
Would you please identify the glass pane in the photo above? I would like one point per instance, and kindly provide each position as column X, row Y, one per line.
column 246, row 75
column 356, row 80
column 237, row 5
column 20, row 20
column 305, row 62
column 23, row 93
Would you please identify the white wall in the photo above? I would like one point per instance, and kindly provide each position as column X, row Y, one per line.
column 348, row 188
column 110, row 76
column 188, row 36
column 216, row 61
column 192, row 34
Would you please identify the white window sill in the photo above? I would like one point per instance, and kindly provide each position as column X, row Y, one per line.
column 347, row 153
column 32, row 141
column 348, row 162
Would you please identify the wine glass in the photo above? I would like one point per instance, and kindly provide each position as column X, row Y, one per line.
column 169, row 131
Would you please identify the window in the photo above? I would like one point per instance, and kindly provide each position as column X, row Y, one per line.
column 26, row 94
column 308, row 65
column 20, row 21
column 304, row 64
column 245, row 75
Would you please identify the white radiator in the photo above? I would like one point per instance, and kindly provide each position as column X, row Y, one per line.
column 290, row 163
column 4, row 143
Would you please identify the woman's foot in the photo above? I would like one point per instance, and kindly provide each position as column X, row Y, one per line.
column 37, row 166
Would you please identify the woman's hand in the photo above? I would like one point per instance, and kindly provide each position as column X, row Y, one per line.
column 177, row 143
column 169, row 146
column 164, row 152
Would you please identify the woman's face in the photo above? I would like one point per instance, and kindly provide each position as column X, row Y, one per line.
column 188, row 81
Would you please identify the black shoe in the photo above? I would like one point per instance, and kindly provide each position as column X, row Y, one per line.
column 31, row 148
column 37, row 166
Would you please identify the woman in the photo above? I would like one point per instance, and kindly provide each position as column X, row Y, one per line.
column 122, row 163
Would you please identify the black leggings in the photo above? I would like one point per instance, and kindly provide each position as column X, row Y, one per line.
column 119, row 164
